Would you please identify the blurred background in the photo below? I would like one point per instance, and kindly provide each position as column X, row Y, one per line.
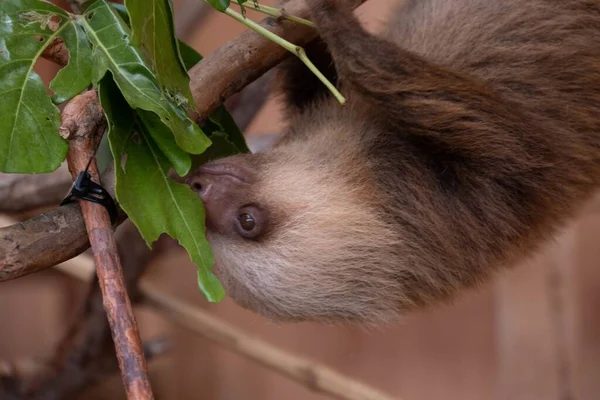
column 532, row 333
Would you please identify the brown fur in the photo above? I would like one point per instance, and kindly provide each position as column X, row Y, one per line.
column 471, row 135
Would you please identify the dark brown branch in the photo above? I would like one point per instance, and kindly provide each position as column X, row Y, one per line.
column 48, row 239
column 86, row 355
column 309, row 373
column 21, row 192
column 57, row 52
column 58, row 235
column 83, row 142
column 245, row 58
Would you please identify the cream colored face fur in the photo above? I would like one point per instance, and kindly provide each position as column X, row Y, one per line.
column 325, row 255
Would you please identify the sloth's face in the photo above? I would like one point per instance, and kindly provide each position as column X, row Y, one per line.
column 297, row 237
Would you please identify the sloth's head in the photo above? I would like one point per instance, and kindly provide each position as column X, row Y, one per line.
column 297, row 233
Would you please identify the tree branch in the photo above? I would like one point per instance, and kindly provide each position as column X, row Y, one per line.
column 245, row 58
column 57, row 52
column 21, row 192
column 86, row 354
column 84, row 138
column 48, row 239
column 311, row 374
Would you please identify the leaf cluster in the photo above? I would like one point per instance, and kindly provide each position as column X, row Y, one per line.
column 131, row 54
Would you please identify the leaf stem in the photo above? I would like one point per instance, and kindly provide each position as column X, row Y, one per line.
column 296, row 50
column 277, row 13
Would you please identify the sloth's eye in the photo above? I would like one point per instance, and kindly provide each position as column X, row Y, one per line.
column 247, row 222
column 251, row 222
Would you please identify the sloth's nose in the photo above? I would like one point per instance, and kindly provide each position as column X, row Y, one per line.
column 202, row 184
column 222, row 187
column 215, row 188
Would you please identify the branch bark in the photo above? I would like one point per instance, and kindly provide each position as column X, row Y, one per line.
column 245, row 58
column 21, row 192
column 48, row 239
column 84, row 138
column 86, row 354
column 311, row 374
column 57, row 52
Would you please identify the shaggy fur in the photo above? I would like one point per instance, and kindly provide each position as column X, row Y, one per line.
column 470, row 136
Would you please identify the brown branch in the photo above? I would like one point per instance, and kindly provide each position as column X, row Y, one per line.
column 58, row 235
column 48, row 239
column 245, row 58
column 83, row 142
column 314, row 375
column 86, row 355
column 57, row 52
column 22, row 192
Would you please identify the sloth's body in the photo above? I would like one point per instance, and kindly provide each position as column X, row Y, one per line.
column 470, row 136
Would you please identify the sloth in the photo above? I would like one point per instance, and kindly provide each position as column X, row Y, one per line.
column 470, row 137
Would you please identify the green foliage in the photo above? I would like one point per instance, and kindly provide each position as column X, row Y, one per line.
column 144, row 95
column 29, row 122
column 153, row 31
column 171, row 208
column 219, row 5
column 114, row 52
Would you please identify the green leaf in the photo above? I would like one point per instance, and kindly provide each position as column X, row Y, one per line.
column 222, row 147
column 122, row 11
column 155, row 203
column 163, row 138
column 219, row 5
column 189, row 56
column 226, row 124
column 113, row 52
column 220, row 121
column 153, row 30
column 29, row 140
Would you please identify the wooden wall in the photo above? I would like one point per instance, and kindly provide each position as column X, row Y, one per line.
column 532, row 333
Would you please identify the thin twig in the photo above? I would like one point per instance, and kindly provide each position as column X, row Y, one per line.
column 245, row 58
column 291, row 47
column 313, row 375
column 276, row 13
column 117, row 305
column 22, row 192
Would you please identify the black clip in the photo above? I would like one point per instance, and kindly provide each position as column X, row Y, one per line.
column 86, row 189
